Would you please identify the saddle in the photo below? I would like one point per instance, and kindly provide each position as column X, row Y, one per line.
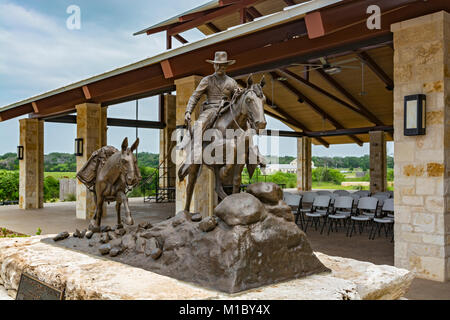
column 88, row 173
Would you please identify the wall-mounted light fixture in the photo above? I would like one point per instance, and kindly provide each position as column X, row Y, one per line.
column 415, row 115
column 20, row 150
column 79, row 147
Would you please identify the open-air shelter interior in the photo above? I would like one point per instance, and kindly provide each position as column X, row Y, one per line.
column 330, row 78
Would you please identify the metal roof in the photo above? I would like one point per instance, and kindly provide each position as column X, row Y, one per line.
column 288, row 14
column 207, row 6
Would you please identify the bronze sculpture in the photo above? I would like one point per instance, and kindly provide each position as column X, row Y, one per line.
column 109, row 174
column 226, row 107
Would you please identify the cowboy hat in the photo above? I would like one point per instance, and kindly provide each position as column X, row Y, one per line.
column 221, row 57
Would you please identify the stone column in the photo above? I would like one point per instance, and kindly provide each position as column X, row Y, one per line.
column 378, row 162
column 422, row 183
column 92, row 128
column 31, row 168
column 304, row 173
column 165, row 142
column 204, row 196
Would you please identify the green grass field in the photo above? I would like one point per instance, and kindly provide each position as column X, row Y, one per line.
column 61, row 175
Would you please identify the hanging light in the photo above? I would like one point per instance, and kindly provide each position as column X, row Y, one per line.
column 415, row 115
column 79, row 147
column 20, row 153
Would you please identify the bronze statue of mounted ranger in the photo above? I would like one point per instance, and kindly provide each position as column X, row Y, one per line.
column 227, row 107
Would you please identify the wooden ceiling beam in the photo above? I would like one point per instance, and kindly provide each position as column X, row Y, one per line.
column 379, row 72
column 211, row 16
column 350, row 97
column 291, row 75
column 314, row 106
column 35, row 107
column 181, row 39
column 213, row 27
column 290, row 2
column 285, row 117
column 254, row 12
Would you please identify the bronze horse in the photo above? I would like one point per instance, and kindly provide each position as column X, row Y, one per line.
column 246, row 111
column 119, row 174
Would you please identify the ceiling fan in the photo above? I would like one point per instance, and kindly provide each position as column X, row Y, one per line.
column 330, row 68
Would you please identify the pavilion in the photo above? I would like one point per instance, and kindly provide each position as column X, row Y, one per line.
column 332, row 78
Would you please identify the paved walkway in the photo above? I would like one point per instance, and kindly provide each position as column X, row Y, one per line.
column 61, row 217
column 58, row 217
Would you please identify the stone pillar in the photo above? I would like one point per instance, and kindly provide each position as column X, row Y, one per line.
column 422, row 183
column 304, row 173
column 92, row 128
column 31, row 168
column 378, row 162
column 165, row 142
column 204, row 196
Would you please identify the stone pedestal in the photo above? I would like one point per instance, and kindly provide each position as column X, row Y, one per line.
column 422, row 192
column 168, row 170
column 31, row 168
column 378, row 162
column 304, row 173
column 86, row 277
column 92, row 128
column 204, row 196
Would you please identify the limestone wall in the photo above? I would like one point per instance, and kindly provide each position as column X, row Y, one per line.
column 422, row 220
column 31, row 168
column 66, row 188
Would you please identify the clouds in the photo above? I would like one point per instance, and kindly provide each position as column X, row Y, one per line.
column 39, row 46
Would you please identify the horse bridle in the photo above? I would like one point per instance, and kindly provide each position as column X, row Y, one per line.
column 233, row 100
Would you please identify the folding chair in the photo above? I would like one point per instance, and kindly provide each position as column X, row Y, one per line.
column 342, row 193
column 294, row 201
column 319, row 209
column 342, row 211
column 366, row 211
column 386, row 221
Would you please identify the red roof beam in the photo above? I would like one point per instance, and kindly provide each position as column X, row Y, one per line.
column 210, row 17
column 328, row 20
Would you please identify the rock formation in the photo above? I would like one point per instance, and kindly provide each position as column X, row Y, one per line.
column 252, row 241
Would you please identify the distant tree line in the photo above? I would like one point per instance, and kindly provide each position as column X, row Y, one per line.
column 348, row 162
column 66, row 162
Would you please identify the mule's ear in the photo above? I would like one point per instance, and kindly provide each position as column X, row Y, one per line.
column 135, row 145
column 125, row 145
column 263, row 82
column 250, row 81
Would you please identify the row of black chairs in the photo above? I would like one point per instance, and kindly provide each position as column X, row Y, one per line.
column 312, row 209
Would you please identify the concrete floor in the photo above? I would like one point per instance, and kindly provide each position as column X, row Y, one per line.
column 58, row 217
column 61, row 217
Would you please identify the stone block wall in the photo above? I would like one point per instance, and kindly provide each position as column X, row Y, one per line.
column 378, row 162
column 67, row 187
column 31, row 168
column 304, row 170
column 92, row 128
column 422, row 216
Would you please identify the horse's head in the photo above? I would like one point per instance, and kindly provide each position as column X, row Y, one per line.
column 254, row 103
column 128, row 163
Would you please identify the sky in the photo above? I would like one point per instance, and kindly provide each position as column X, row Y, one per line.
column 39, row 53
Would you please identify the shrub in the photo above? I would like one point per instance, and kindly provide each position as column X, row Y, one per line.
column 51, row 189
column 390, row 175
column 9, row 185
column 327, row 175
